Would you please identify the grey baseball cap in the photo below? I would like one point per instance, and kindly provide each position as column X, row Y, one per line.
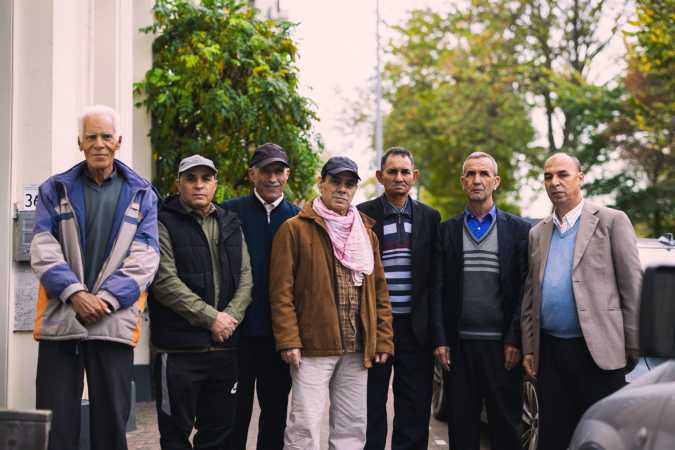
column 195, row 161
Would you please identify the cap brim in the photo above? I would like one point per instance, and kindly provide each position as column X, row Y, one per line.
column 268, row 161
column 343, row 169
column 192, row 166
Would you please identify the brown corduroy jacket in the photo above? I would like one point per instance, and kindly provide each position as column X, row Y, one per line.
column 302, row 292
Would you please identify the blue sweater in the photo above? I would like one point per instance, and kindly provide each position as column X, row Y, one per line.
column 558, row 307
column 259, row 235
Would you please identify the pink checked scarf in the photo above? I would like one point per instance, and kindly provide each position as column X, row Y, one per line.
column 351, row 243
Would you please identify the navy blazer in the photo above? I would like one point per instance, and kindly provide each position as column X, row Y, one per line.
column 446, row 301
column 424, row 232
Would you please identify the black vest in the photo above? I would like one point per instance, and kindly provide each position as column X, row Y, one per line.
column 169, row 330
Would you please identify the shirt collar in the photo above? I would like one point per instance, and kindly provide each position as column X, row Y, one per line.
column 391, row 210
column 268, row 206
column 570, row 219
column 193, row 211
column 90, row 179
column 492, row 213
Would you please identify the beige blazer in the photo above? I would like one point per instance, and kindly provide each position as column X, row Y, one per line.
column 606, row 281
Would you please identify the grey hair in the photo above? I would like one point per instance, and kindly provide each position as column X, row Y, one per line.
column 479, row 155
column 95, row 110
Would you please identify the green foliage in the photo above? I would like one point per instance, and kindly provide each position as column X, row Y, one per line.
column 222, row 82
column 453, row 88
column 642, row 134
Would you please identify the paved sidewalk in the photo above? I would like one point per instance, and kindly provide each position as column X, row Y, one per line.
column 146, row 436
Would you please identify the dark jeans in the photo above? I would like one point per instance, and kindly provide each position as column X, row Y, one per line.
column 59, row 384
column 261, row 368
column 569, row 383
column 196, row 389
column 477, row 374
column 413, row 374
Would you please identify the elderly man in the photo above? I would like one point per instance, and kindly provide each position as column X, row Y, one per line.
column 199, row 297
column 580, row 311
column 406, row 229
column 480, row 274
column 94, row 250
column 330, row 310
column 260, row 366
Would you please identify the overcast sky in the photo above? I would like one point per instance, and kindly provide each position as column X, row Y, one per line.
column 336, row 42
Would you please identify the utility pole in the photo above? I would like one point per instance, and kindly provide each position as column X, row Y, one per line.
column 378, row 96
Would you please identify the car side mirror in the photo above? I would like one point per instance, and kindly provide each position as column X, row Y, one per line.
column 657, row 312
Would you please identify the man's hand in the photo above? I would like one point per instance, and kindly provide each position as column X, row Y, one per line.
column 528, row 364
column 632, row 359
column 511, row 356
column 223, row 327
column 442, row 354
column 89, row 308
column 381, row 358
column 292, row 357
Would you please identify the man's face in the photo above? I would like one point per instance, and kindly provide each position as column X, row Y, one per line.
column 197, row 186
column 99, row 142
column 337, row 191
column 269, row 181
column 563, row 181
column 398, row 175
column 479, row 180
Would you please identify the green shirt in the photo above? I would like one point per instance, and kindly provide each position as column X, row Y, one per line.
column 100, row 203
column 171, row 292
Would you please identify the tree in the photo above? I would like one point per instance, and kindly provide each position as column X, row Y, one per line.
column 642, row 135
column 453, row 89
column 222, row 82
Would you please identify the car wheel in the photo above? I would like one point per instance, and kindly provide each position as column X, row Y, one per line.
column 530, row 417
column 438, row 409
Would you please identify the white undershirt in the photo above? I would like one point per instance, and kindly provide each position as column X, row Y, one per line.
column 269, row 207
column 570, row 219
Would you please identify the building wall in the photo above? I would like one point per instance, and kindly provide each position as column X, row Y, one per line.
column 66, row 55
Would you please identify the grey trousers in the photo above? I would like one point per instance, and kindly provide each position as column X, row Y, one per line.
column 344, row 381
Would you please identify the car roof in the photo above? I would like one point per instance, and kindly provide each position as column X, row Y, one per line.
column 657, row 251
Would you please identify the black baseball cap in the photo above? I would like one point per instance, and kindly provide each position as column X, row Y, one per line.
column 267, row 154
column 339, row 164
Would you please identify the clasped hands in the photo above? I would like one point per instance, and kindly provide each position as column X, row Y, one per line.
column 223, row 327
column 89, row 308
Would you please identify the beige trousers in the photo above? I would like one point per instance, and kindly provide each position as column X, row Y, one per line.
column 344, row 380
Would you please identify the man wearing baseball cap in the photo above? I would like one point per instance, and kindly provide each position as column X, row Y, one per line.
column 260, row 366
column 331, row 314
column 199, row 297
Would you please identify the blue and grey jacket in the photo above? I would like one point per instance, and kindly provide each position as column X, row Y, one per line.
column 57, row 257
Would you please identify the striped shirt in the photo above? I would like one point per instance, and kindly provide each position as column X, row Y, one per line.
column 397, row 256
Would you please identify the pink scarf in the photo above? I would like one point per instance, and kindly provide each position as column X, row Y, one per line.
column 351, row 243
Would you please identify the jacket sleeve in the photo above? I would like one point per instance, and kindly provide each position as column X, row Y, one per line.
column 46, row 253
column 384, row 342
column 628, row 272
column 242, row 297
column 437, row 309
column 513, row 334
column 282, row 287
column 123, row 287
column 527, row 305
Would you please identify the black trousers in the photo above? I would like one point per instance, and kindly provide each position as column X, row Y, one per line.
column 196, row 390
column 477, row 374
column 59, row 383
column 413, row 373
column 261, row 368
column 569, row 382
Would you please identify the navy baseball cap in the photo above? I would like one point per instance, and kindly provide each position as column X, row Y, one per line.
column 339, row 164
column 267, row 154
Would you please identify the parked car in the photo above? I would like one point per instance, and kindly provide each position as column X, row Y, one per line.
column 641, row 415
column 652, row 252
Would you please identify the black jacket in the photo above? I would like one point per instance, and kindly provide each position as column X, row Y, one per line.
column 168, row 329
column 424, row 232
column 446, row 301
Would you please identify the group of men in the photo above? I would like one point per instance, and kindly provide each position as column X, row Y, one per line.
column 324, row 303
